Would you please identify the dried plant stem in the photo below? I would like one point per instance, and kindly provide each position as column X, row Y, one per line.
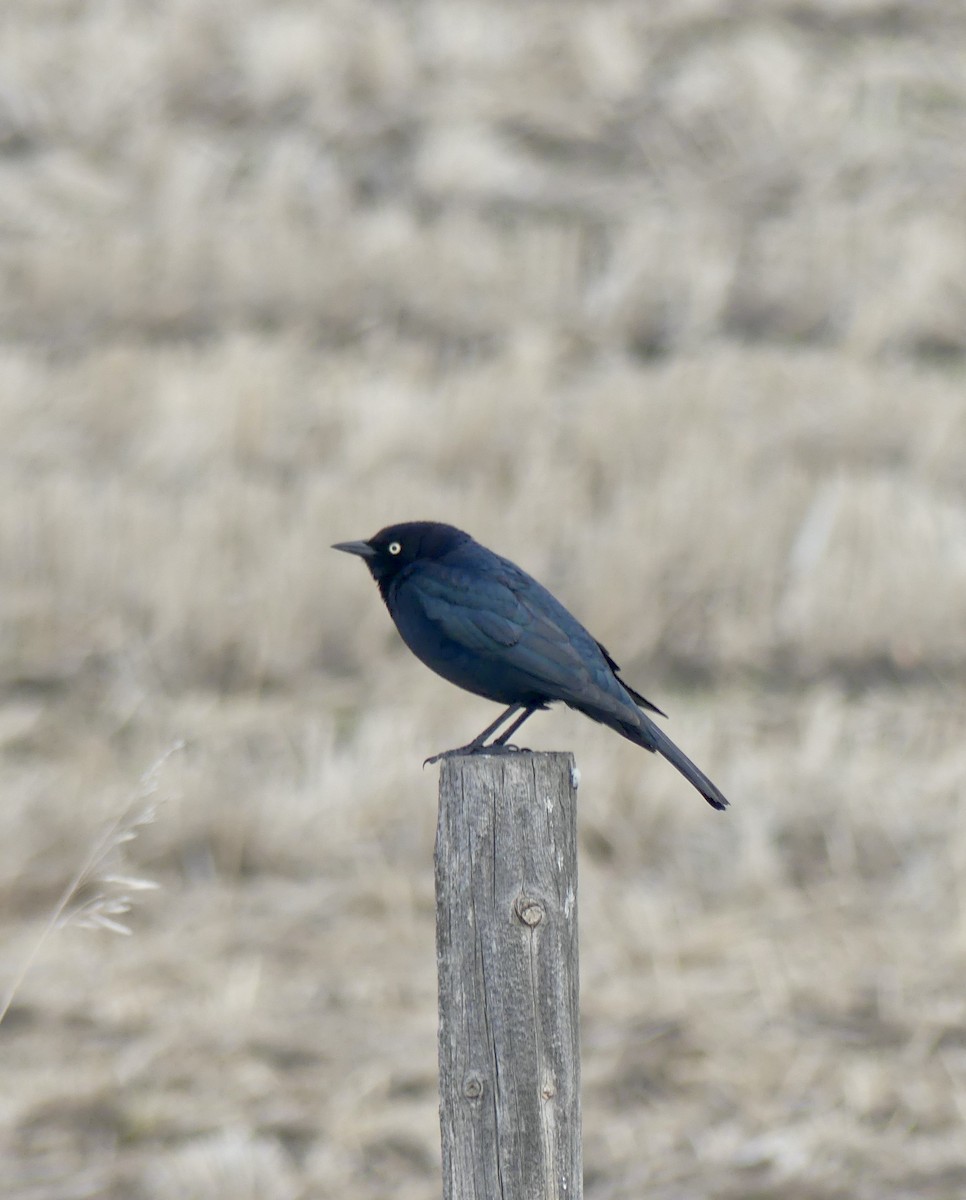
column 103, row 909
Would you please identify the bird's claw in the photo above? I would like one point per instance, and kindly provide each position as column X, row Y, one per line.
column 458, row 752
column 467, row 751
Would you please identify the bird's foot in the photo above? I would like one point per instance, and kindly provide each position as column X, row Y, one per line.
column 475, row 748
column 470, row 749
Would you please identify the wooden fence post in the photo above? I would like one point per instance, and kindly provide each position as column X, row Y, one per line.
column 506, row 950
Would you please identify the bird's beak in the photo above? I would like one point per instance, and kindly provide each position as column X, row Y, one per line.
column 363, row 549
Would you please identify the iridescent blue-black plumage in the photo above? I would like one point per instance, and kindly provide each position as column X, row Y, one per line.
column 484, row 624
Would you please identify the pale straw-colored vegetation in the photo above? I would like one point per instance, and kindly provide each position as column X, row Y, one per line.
column 665, row 301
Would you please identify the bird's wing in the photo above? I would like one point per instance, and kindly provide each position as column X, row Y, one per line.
column 478, row 613
column 506, row 615
column 641, row 700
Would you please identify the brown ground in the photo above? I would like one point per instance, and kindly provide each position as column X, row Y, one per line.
column 666, row 301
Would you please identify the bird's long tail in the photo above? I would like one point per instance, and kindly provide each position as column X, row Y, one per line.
column 657, row 740
column 645, row 733
column 627, row 719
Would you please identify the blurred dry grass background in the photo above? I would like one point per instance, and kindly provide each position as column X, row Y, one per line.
column 666, row 301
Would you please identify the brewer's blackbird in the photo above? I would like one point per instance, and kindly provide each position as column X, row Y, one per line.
column 484, row 624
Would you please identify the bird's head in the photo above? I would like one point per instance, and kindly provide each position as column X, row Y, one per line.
column 394, row 548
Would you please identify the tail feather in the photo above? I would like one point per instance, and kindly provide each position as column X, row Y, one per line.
column 643, row 732
column 659, row 741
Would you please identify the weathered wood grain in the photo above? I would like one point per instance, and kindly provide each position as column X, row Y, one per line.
column 506, row 945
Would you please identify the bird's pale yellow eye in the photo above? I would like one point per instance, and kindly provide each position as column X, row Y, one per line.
column 395, row 548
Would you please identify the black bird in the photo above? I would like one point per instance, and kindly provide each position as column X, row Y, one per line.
column 484, row 624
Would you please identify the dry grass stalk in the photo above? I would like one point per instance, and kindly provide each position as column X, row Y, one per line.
column 98, row 895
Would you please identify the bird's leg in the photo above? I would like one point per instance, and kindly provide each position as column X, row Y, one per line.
column 503, row 741
column 478, row 744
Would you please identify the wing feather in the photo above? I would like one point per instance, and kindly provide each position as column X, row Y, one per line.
column 512, row 619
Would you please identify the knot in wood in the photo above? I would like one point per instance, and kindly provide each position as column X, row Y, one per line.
column 529, row 910
column 472, row 1087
